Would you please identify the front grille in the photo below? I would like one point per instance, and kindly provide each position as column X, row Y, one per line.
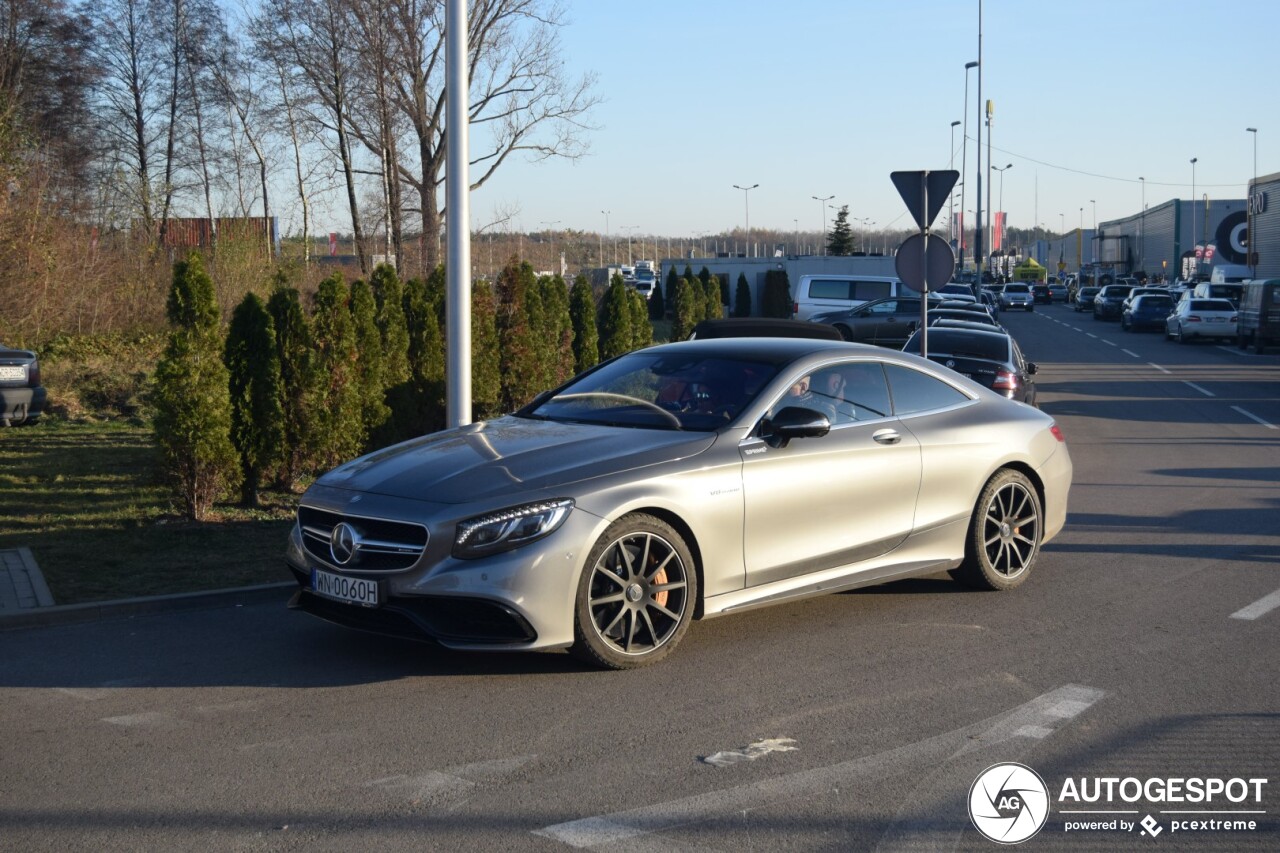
column 383, row 546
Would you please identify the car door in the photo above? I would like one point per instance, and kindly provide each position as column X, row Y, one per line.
column 895, row 320
column 835, row 500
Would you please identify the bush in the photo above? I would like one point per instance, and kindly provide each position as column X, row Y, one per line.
column 687, row 309
column 641, row 328
column 295, row 351
column 776, row 301
column 582, row 313
column 389, row 294
column 371, row 377
column 193, row 402
column 742, row 299
column 257, row 417
column 339, row 427
column 616, row 334
column 105, row 376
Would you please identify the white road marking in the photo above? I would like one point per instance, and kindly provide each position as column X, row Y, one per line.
column 1074, row 328
column 1110, row 343
column 1092, row 335
column 1198, row 388
column 1233, row 350
column 759, row 749
column 1035, row 720
column 1251, row 416
column 1261, row 607
column 1129, row 352
column 1159, row 368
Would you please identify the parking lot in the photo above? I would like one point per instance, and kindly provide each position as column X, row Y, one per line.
column 1142, row 647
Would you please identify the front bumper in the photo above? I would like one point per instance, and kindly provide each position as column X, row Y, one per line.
column 20, row 405
column 1108, row 309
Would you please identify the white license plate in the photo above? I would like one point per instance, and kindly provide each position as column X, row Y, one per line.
column 347, row 590
column 12, row 371
column 1217, row 319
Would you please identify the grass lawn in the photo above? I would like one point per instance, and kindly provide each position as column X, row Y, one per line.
column 90, row 503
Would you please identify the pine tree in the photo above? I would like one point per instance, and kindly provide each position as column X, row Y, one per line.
column 711, row 301
column 426, row 339
column 722, row 282
column 840, row 241
column 339, row 423
column 657, row 305
column 704, row 276
column 371, row 379
column 389, row 293
column 586, row 337
column 298, row 381
column 687, row 305
column 641, row 328
column 615, row 320
column 776, row 301
column 192, row 397
column 672, row 278
column 516, row 341
column 486, row 363
column 257, row 415
column 555, row 298
column 742, row 299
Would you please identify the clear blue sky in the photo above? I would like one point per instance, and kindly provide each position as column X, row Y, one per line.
column 827, row 97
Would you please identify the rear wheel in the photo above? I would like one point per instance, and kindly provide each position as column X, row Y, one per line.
column 637, row 595
column 1004, row 534
column 845, row 331
column 1182, row 337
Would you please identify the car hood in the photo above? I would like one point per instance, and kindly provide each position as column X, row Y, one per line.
column 510, row 454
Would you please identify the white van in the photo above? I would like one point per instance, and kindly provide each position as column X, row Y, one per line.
column 1230, row 289
column 822, row 294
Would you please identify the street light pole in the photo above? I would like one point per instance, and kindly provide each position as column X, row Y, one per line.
column 951, row 200
column 606, row 236
column 1001, row 170
column 964, row 152
column 747, row 206
column 977, row 225
column 822, row 208
column 1253, row 263
column 1195, row 262
column 1142, row 227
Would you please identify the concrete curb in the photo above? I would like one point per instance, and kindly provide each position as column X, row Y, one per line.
column 97, row 611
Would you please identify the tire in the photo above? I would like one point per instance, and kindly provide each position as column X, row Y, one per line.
column 1182, row 339
column 636, row 595
column 999, row 555
column 845, row 331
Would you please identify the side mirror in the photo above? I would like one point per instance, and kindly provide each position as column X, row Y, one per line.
column 795, row 422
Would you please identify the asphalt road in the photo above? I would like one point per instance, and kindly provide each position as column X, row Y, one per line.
column 1142, row 647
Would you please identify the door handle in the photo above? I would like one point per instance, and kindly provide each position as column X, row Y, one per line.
column 886, row 436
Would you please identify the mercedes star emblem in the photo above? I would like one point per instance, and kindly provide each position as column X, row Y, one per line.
column 344, row 543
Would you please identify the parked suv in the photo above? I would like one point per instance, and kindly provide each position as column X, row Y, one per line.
column 21, row 395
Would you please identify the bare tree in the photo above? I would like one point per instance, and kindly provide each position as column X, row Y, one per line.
column 313, row 39
column 520, row 101
column 127, row 52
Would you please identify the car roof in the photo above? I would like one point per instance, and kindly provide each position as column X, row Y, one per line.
column 764, row 327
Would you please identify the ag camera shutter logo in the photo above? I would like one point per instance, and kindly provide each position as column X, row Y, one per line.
column 1008, row 803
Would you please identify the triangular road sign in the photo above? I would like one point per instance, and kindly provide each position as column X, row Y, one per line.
column 911, row 186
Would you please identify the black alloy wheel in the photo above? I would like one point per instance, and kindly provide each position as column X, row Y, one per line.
column 1004, row 534
column 636, row 596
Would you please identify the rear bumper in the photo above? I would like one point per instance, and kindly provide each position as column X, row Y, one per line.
column 21, row 405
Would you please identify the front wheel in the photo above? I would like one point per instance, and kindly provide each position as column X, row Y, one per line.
column 637, row 595
column 1004, row 534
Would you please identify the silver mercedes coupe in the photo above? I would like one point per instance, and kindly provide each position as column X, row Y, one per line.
column 681, row 482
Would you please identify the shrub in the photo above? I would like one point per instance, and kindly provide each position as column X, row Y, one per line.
column 776, row 301
column 257, row 417
column 339, row 423
column 486, row 363
column 370, row 357
column 422, row 311
column 687, row 305
column 711, row 301
column 295, row 350
column 641, row 328
column 582, row 313
column 742, row 299
column 389, row 294
column 193, row 402
column 615, row 320
column 517, row 341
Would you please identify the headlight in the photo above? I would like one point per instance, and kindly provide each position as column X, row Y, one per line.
column 509, row 528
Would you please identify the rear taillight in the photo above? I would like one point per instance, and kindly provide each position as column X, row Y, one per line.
column 1233, row 318
column 1005, row 381
column 33, row 374
column 1193, row 318
column 1057, row 433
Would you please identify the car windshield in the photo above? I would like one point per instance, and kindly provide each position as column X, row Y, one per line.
column 1211, row 305
column 1153, row 302
column 654, row 391
column 1016, row 288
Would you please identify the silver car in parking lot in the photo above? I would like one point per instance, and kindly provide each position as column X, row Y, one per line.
column 682, row 482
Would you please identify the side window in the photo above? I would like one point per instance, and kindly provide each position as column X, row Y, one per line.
column 866, row 393
column 868, row 290
column 914, row 391
column 825, row 288
column 888, row 307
